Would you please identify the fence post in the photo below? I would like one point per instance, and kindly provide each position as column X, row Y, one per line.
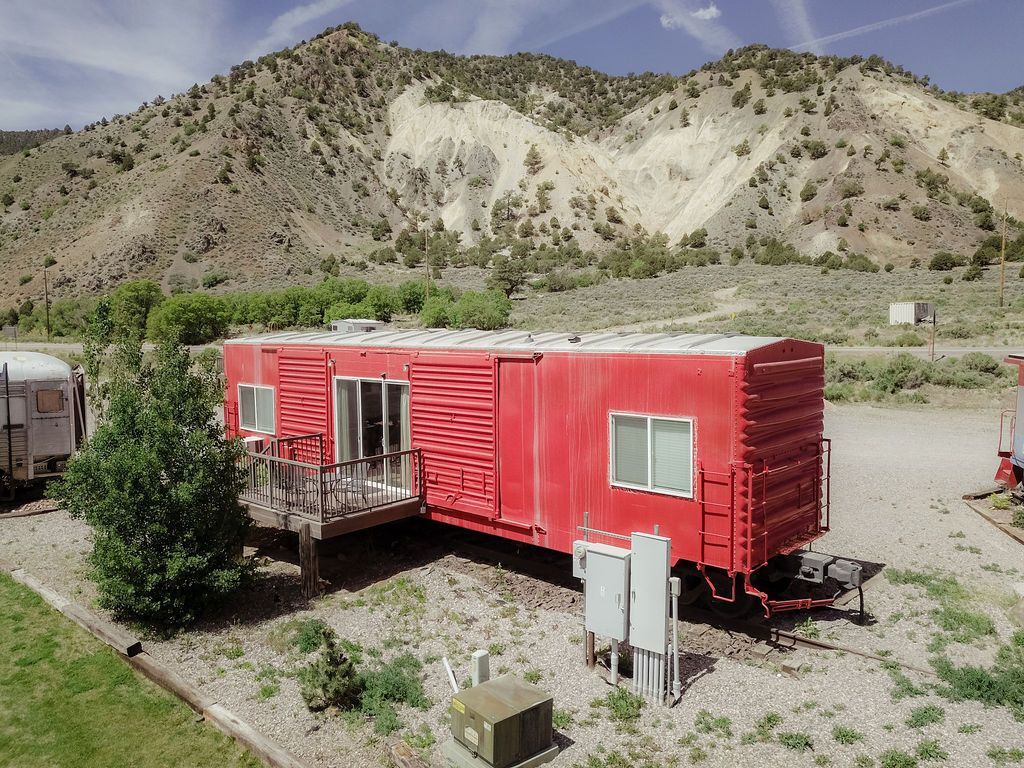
column 309, row 562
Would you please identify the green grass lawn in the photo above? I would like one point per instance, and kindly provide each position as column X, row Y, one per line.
column 68, row 700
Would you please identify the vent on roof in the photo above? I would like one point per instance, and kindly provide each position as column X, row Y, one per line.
column 574, row 339
column 355, row 325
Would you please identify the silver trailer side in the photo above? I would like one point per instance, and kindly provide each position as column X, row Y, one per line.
column 42, row 408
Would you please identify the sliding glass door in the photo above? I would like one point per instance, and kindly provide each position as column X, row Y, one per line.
column 372, row 419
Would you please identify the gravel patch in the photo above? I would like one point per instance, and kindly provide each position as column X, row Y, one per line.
column 897, row 479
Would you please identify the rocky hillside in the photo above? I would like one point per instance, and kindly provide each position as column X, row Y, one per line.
column 346, row 147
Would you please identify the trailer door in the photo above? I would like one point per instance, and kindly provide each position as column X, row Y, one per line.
column 50, row 427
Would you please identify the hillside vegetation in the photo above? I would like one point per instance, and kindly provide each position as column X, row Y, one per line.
column 347, row 155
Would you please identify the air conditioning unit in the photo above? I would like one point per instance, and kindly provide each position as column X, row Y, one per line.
column 502, row 723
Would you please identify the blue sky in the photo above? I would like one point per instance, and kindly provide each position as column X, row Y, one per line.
column 73, row 61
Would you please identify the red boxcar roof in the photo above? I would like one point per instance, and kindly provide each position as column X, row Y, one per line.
column 525, row 341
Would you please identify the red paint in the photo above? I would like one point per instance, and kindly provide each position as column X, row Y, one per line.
column 517, row 445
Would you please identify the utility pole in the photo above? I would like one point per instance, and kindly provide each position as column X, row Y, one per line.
column 46, row 301
column 1002, row 258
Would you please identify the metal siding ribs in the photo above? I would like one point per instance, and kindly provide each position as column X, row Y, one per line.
column 452, row 406
column 302, row 398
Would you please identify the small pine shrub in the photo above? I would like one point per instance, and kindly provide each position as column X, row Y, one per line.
column 330, row 681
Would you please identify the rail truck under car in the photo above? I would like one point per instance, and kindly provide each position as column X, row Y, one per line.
column 715, row 440
column 42, row 418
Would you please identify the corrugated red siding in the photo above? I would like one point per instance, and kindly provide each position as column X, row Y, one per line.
column 452, row 404
column 303, row 398
column 781, row 424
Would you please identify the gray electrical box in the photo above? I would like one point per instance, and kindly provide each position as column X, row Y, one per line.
column 648, row 592
column 605, row 571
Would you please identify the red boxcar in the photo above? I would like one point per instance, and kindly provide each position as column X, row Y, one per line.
column 716, row 440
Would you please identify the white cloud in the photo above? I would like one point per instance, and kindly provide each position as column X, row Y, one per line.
column 796, row 20
column 883, row 24
column 284, row 30
column 706, row 14
column 74, row 62
column 713, row 36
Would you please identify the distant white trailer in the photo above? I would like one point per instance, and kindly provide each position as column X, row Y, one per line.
column 356, row 325
column 910, row 312
column 42, row 417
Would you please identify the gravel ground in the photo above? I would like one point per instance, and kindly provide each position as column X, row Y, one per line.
column 898, row 477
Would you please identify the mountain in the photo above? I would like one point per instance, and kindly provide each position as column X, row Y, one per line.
column 12, row 142
column 345, row 146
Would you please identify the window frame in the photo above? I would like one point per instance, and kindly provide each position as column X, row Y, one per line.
column 49, row 412
column 359, row 407
column 650, row 487
column 257, row 427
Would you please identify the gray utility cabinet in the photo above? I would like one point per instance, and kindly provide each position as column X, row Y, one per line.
column 605, row 570
column 503, row 721
column 648, row 592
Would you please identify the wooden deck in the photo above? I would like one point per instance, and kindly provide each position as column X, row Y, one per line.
column 327, row 529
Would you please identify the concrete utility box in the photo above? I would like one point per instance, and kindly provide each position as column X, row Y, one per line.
column 605, row 571
column 910, row 312
column 356, row 325
column 503, row 722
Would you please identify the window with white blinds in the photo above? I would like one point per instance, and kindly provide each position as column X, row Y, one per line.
column 652, row 453
column 256, row 408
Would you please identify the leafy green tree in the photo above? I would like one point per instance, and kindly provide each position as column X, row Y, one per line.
column 158, row 484
column 943, row 261
column 189, row 318
column 809, row 191
column 487, row 310
column 130, row 305
column 533, row 160
column 507, row 276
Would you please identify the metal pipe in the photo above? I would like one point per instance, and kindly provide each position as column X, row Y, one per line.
column 677, row 685
column 641, row 673
column 614, row 672
column 660, row 692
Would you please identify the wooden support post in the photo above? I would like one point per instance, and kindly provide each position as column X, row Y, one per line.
column 591, row 656
column 309, row 562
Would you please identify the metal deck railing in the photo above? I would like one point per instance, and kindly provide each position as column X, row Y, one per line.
column 327, row 492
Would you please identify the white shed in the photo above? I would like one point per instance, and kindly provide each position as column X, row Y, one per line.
column 910, row 312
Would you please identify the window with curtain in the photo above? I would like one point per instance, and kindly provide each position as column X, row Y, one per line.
column 652, row 453
column 256, row 408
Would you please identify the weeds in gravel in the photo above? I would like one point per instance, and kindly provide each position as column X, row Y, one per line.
column 808, row 628
column 268, row 691
column 903, row 686
column 764, row 728
column 931, row 750
column 926, row 714
column 697, row 755
column 1002, row 756
column 895, row 758
column 562, row 718
column 1002, row 684
column 969, row 728
column 863, row 761
column 533, row 676
column 421, row 739
column 310, row 635
column 705, row 722
column 845, row 735
column 799, row 742
column 961, row 625
column 623, row 707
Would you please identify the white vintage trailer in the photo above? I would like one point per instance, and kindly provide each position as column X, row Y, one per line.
column 42, row 417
